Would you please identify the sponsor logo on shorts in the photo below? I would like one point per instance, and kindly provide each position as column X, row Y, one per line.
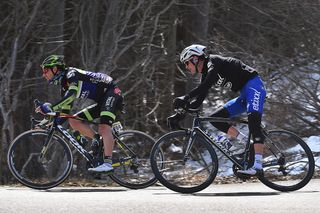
column 256, row 99
column 110, row 101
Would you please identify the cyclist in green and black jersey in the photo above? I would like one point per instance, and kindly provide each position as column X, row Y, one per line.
column 77, row 83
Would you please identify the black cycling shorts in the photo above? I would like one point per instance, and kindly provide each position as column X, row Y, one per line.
column 105, row 109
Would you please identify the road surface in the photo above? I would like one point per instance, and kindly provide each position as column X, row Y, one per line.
column 246, row 197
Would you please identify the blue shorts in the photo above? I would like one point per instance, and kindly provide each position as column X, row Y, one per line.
column 251, row 98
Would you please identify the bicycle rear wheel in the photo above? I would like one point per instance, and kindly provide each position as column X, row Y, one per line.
column 180, row 174
column 133, row 170
column 37, row 172
column 288, row 162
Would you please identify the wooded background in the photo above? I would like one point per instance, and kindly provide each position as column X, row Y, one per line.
column 138, row 43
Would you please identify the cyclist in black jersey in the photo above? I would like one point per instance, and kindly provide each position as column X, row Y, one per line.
column 77, row 83
column 230, row 73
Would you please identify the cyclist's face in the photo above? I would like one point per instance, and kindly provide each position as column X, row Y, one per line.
column 48, row 73
column 191, row 65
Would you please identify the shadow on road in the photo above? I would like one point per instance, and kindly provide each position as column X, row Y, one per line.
column 236, row 194
column 228, row 194
column 76, row 190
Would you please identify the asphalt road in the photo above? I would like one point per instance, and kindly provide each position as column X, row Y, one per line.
column 246, row 197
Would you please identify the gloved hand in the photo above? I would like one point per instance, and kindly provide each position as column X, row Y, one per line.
column 173, row 121
column 44, row 108
column 195, row 104
column 181, row 102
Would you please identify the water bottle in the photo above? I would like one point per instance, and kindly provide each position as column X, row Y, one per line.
column 82, row 140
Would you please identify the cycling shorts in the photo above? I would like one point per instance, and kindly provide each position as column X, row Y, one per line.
column 251, row 99
column 105, row 109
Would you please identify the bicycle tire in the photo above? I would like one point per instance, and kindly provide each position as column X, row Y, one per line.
column 135, row 173
column 180, row 175
column 27, row 167
column 288, row 161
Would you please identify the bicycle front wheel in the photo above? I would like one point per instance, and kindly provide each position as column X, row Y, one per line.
column 131, row 160
column 288, row 162
column 180, row 172
column 37, row 166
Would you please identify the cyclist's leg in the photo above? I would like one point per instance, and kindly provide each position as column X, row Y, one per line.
column 109, row 106
column 231, row 108
column 110, row 103
column 89, row 113
column 255, row 95
column 235, row 107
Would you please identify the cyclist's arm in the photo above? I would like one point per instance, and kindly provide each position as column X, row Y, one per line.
column 204, row 86
column 198, row 101
column 66, row 102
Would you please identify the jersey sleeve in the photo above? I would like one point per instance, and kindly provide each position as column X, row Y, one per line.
column 70, row 95
column 66, row 102
column 199, row 100
column 205, row 84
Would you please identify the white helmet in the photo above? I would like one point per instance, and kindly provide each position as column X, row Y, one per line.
column 188, row 52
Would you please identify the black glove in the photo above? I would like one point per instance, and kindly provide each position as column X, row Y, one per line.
column 181, row 102
column 173, row 121
column 195, row 104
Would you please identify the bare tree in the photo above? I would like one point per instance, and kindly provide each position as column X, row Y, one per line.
column 138, row 41
column 282, row 43
column 22, row 44
column 129, row 41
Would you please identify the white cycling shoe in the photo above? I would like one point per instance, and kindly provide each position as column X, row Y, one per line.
column 251, row 171
column 105, row 167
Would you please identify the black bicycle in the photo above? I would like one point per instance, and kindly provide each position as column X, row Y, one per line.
column 185, row 161
column 42, row 159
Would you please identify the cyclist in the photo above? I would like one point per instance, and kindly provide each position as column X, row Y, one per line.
column 77, row 83
column 233, row 74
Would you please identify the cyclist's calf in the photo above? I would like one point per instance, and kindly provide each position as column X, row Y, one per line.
column 221, row 113
column 254, row 119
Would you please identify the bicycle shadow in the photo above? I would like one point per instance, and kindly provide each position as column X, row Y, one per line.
column 77, row 190
column 243, row 194
column 235, row 194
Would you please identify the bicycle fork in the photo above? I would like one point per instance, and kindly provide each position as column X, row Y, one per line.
column 46, row 145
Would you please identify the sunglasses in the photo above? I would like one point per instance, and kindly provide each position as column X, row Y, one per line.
column 194, row 61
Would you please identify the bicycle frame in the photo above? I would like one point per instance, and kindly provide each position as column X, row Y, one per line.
column 56, row 127
column 196, row 129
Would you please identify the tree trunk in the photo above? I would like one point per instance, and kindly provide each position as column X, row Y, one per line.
column 193, row 29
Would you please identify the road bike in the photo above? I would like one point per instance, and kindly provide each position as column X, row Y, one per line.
column 186, row 161
column 41, row 158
